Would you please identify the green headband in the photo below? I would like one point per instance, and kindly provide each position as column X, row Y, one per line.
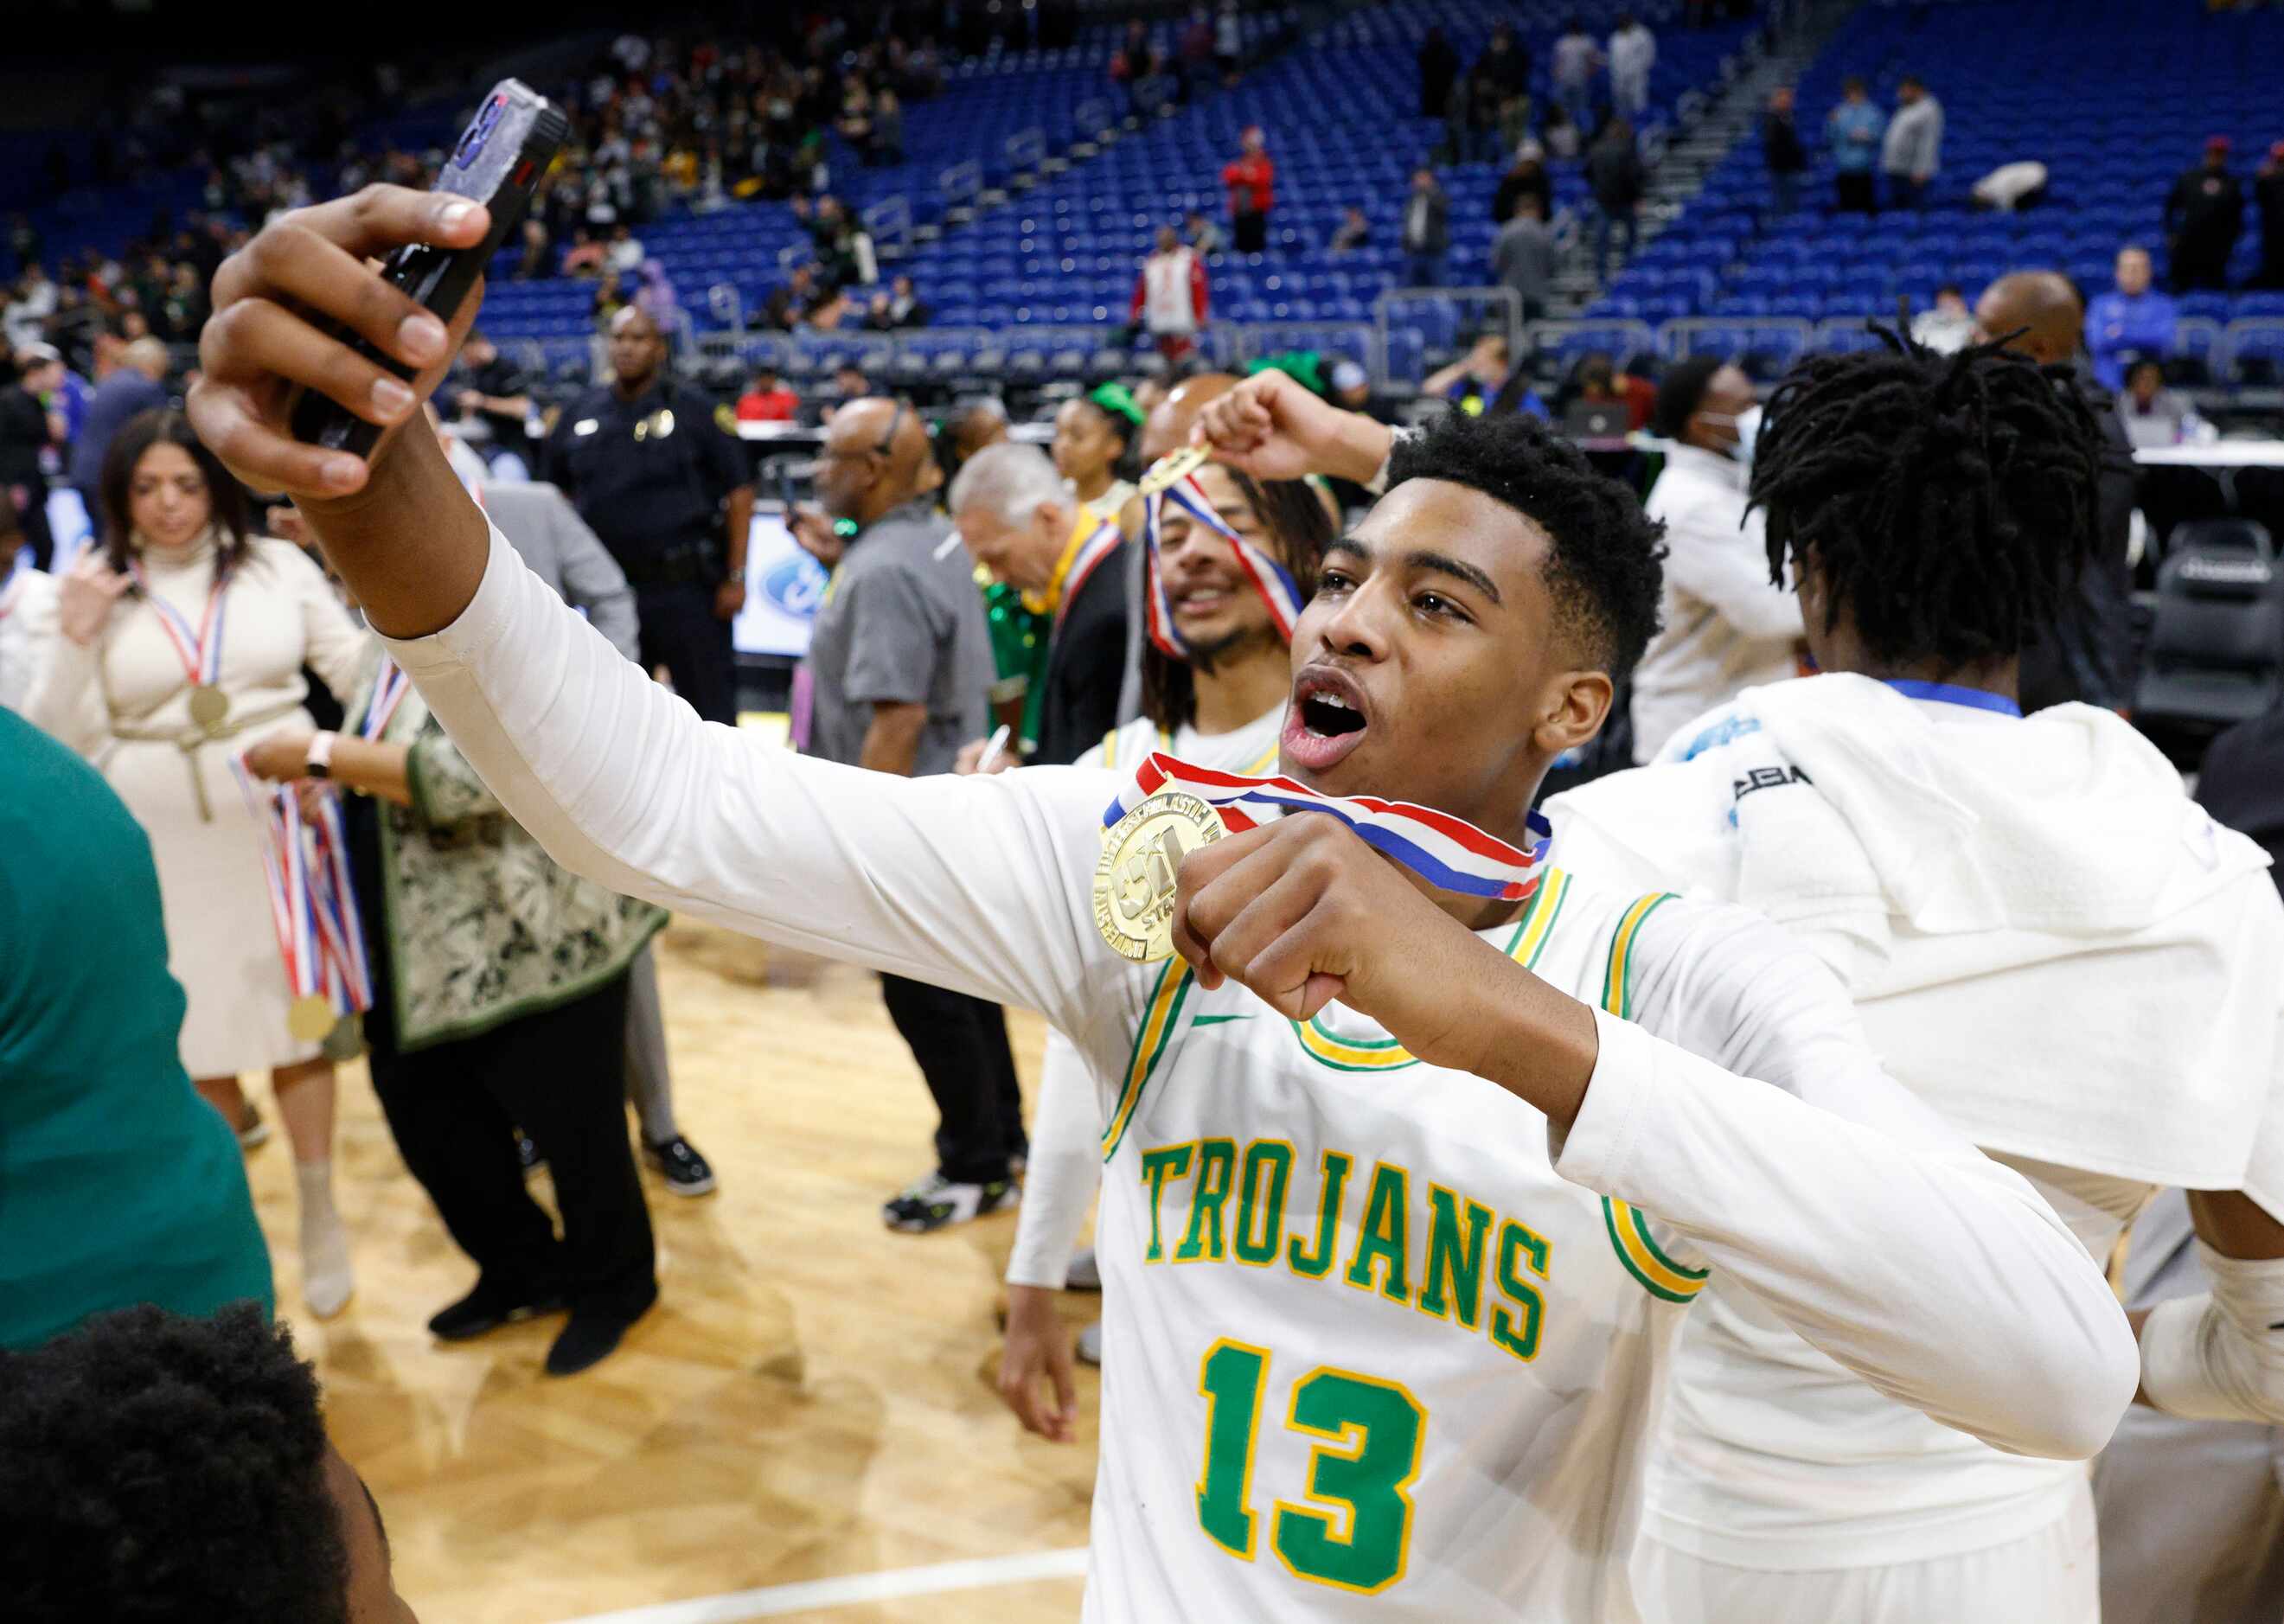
column 1118, row 401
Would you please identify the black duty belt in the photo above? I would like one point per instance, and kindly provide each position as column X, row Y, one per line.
column 693, row 563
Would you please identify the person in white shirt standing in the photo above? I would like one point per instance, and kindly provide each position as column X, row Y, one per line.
column 1575, row 58
column 1605, row 1097
column 1220, row 703
column 1633, row 53
column 2047, row 942
column 27, row 613
column 1170, row 295
column 1725, row 627
column 1911, row 153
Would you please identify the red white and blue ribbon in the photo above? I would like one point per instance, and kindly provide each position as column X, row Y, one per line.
column 389, row 686
column 1106, row 540
column 1272, row 580
column 198, row 647
column 313, row 905
column 1449, row 853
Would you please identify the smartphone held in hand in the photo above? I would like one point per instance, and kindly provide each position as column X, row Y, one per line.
column 501, row 161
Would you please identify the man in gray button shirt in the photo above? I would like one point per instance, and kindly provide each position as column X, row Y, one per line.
column 899, row 669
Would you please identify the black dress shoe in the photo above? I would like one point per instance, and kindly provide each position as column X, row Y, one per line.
column 481, row 1311
column 590, row 1338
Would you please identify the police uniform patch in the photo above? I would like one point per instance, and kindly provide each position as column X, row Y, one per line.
column 725, row 418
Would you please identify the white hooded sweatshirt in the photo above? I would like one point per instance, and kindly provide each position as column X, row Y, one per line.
column 2049, row 942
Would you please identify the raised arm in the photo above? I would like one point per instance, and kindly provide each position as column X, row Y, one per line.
column 976, row 884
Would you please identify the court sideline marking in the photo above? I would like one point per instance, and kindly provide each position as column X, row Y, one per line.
column 775, row 1600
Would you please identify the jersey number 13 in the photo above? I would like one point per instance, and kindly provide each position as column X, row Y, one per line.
column 1355, row 1532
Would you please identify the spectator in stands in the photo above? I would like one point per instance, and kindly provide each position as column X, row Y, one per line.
column 848, row 383
column 535, row 262
column 609, row 299
column 1427, row 230
column 1527, row 176
column 1615, row 173
column 1633, row 53
column 905, row 308
column 655, row 295
column 170, row 1469
column 584, row 257
column 1782, row 150
column 788, row 303
column 1251, row 182
column 1194, row 52
column 135, row 386
column 1724, row 626
column 1201, row 233
column 1852, row 129
column 983, row 423
column 1560, row 134
column 1439, row 71
column 2088, row 653
column 1229, row 42
column 888, row 143
column 1485, row 379
column 1575, row 58
column 766, row 400
column 1170, row 296
column 625, row 255
column 2131, row 319
column 1479, row 103
column 1949, row 327
column 1911, row 153
column 1505, row 64
column 2204, row 216
column 29, row 437
column 1130, row 65
column 2153, row 414
column 1522, row 257
column 2268, row 191
column 1514, row 123
column 34, row 301
column 1354, row 232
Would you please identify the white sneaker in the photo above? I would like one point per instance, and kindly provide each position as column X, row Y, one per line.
column 328, row 1276
column 1090, row 1344
column 932, row 1202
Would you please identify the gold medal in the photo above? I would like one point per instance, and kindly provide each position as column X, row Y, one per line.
column 208, row 705
column 1134, row 882
column 1173, row 469
column 311, row 1019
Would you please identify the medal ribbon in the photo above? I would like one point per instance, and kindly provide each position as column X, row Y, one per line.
column 1272, row 580
column 389, row 685
column 313, row 905
column 1449, row 853
column 200, row 648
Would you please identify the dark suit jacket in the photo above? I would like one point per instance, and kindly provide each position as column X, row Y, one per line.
column 1086, row 663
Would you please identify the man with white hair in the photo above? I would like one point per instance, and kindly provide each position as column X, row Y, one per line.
column 1025, row 524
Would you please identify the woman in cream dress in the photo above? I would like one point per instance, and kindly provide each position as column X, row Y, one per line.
column 119, row 689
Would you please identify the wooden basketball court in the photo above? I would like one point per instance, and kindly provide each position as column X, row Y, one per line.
column 811, row 1400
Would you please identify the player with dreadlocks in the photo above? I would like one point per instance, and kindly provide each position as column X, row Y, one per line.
column 2047, row 941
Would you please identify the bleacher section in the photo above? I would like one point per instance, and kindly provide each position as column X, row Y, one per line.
column 1040, row 285
column 2114, row 97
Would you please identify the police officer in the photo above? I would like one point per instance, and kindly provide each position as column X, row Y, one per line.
column 656, row 472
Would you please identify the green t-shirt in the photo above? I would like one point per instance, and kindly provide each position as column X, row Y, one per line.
column 118, row 1184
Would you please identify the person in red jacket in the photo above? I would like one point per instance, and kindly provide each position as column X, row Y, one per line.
column 1170, row 295
column 1250, row 181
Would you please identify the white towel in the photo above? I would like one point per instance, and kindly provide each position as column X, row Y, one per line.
column 1976, row 880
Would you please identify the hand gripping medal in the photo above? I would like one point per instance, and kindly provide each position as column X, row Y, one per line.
column 1134, row 882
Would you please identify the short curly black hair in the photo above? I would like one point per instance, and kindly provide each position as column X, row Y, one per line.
column 1605, row 567
column 1948, row 500
column 156, row 1468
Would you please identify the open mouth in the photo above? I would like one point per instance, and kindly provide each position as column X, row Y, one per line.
column 1327, row 719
